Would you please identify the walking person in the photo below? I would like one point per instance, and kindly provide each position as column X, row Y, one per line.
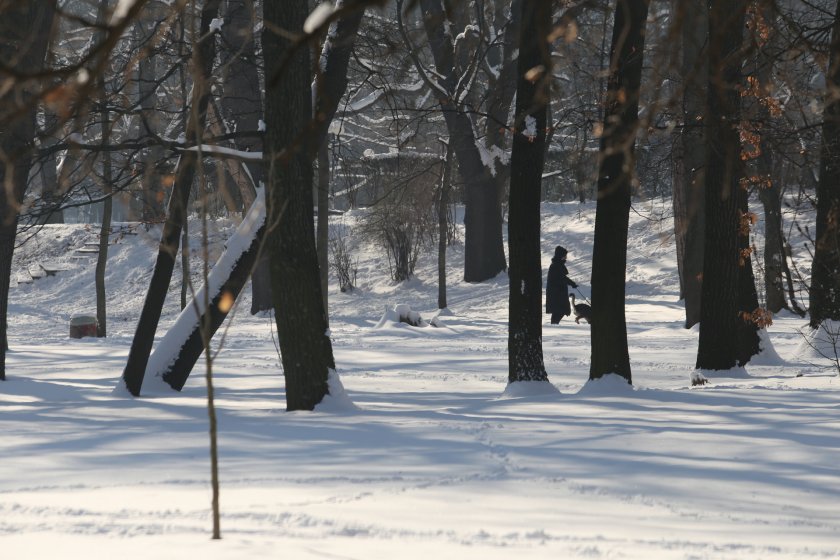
column 557, row 287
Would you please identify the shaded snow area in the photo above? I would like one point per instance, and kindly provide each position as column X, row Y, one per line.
column 422, row 450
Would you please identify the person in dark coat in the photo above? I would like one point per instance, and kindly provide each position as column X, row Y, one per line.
column 557, row 287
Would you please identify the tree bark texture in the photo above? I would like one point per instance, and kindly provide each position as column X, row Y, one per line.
column 176, row 213
column 748, row 339
column 718, row 345
column 484, row 253
column 825, row 273
column 178, row 372
column 305, row 346
column 152, row 194
column 107, row 179
column 443, row 224
column 323, row 232
column 689, row 197
column 615, row 178
column 24, row 32
column 525, row 352
column 242, row 105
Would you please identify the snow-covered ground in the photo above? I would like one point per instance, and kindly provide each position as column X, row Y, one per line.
column 435, row 461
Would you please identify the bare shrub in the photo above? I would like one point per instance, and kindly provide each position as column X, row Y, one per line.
column 342, row 263
column 403, row 219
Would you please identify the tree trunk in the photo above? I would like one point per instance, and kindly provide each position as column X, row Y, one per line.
column 689, row 186
column 443, row 224
column 484, row 253
column 525, row 353
column 324, row 220
column 825, row 273
column 305, row 345
column 152, row 193
column 107, row 180
column 747, row 328
column 242, row 104
column 175, row 371
column 51, row 195
column 24, row 35
column 718, row 348
column 141, row 345
column 615, row 175
column 200, row 319
column 104, row 237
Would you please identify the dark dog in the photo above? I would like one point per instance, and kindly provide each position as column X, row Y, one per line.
column 581, row 311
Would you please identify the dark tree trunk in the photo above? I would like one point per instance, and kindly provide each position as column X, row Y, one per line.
column 24, row 35
column 177, row 373
column 305, row 346
column 609, row 257
column 48, row 172
column 176, row 213
column 525, row 353
column 242, row 104
column 689, row 188
column 332, row 83
column 324, row 220
column 104, row 237
column 443, row 224
column 107, row 179
column 484, row 253
column 501, row 90
column 825, row 273
column 748, row 340
column 718, row 346
column 152, row 194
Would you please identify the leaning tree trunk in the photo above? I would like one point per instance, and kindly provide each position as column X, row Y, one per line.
column 305, row 346
column 609, row 257
column 24, row 31
column 825, row 273
column 525, row 352
column 176, row 213
column 175, row 369
column 689, row 187
column 718, row 348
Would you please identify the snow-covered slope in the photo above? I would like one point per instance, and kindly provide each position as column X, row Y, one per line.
column 435, row 459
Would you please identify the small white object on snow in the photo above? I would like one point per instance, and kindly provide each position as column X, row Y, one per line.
column 519, row 389
column 607, row 385
column 401, row 313
column 337, row 400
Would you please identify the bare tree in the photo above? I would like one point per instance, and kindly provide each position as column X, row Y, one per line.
column 615, row 181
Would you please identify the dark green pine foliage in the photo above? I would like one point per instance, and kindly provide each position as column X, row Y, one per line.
column 615, row 179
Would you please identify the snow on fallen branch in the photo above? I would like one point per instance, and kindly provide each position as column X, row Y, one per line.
column 224, row 151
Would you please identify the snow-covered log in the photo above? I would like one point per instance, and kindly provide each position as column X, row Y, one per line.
column 176, row 354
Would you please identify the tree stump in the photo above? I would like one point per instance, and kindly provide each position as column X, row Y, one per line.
column 82, row 325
